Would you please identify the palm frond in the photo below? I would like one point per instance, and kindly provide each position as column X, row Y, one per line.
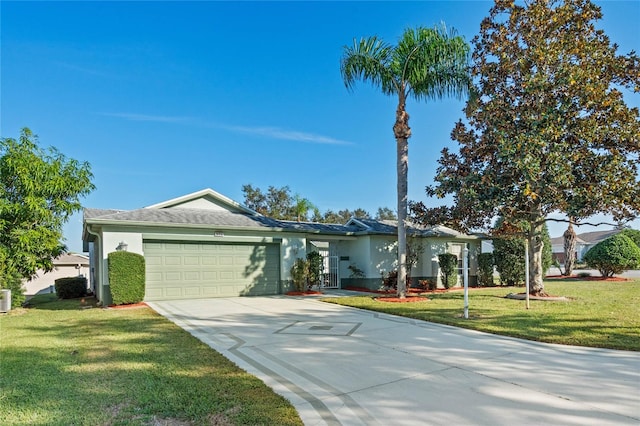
column 434, row 62
column 368, row 60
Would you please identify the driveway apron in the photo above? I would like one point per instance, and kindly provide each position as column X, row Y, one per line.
column 344, row 366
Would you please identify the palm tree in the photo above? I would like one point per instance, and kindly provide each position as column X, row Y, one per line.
column 427, row 63
column 302, row 207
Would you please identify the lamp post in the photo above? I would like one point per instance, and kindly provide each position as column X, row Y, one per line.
column 465, row 279
column 526, row 271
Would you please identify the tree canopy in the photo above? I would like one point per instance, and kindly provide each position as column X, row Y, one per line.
column 548, row 130
column 39, row 190
column 278, row 203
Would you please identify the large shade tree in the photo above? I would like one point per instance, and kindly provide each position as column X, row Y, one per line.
column 427, row 63
column 549, row 131
column 39, row 190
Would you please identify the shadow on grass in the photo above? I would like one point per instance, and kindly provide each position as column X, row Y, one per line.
column 130, row 367
column 52, row 302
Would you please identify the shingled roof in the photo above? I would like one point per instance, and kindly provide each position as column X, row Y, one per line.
column 225, row 219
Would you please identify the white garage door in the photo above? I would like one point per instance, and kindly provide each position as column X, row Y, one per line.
column 185, row 270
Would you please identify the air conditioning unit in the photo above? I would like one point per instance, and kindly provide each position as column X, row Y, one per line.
column 5, row 300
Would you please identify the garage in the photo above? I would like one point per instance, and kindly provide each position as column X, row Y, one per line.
column 185, row 270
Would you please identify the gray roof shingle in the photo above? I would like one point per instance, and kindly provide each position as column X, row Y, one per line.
column 227, row 219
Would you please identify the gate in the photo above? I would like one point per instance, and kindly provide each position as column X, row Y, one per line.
column 330, row 267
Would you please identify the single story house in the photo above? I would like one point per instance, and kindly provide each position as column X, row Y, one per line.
column 584, row 242
column 65, row 265
column 206, row 245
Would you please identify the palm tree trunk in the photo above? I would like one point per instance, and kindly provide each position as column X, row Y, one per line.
column 569, row 249
column 535, row 259
column 402, row 132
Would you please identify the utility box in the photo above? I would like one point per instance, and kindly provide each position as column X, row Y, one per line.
column 5, row 300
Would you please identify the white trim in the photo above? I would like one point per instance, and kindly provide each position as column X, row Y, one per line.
column 200, row 194
column 355, row 221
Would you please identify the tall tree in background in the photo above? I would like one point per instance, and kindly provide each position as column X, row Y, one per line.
column 385, row 213
column 39, row 191
column 302, row 207
column 427, row 63
column 276, row 203
column 549, row 130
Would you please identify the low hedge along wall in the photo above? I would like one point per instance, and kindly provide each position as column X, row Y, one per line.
column 71, row 287
column 126, row 277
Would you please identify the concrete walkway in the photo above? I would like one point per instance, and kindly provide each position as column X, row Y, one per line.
column 343, row 366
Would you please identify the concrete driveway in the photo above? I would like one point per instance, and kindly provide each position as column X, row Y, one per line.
column 343, row 366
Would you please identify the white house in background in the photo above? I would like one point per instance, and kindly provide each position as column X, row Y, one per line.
column 206, row 245
column 67, row 265
column 584, row 242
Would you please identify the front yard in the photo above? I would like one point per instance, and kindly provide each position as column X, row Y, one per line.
column 64, row 365
column 598, row 314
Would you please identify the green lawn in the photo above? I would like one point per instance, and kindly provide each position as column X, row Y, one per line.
column 598, row 314
column 63, row 365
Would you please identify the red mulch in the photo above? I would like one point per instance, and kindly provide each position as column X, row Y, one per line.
column 304, row 293
column 575, row 277
column 128, row 306
column 390, row 291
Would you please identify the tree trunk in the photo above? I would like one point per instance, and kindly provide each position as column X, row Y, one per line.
column 402, row 132
column 536, row 244
column 569, row 249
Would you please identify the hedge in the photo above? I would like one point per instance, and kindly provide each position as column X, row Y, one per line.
column 71, row 287
column 126, row 277
column 485, row 269
column 448, row 268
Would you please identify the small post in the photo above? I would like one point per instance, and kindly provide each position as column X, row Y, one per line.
column 526, row 270
column 465, row 279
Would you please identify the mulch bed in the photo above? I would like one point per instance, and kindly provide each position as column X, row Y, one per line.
column 578, row 278
column 304, row 293
column 128, row 306
column 548, row 298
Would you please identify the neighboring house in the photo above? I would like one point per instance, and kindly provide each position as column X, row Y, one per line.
column 67, row 265
column 584, row 242
column 206, row 245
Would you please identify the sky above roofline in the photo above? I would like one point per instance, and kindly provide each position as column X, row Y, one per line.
column 167, row 98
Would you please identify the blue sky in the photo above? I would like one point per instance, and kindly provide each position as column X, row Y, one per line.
column 167, row 98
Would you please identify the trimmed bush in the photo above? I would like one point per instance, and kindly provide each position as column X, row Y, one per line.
column 509, row 260
column 614, row 255
column 634, row 234
column 299, row 274
column 71, row 287
column 126, row 277
column 448, row 268
column 316, row 268
column 485, row 269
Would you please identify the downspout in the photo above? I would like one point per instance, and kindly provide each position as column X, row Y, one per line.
column 101, row 280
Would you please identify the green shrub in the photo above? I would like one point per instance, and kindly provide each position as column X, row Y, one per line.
column 634, row 234
column 71, row 287
column 509, row 260
column 584, row 274
column 485, row 269
column 126, row 277
column 299, row 274
column 13, row 281
column 614, row 255
column 315, row 268
column 448, row 268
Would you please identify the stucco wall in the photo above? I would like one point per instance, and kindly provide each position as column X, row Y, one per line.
column 44, row 281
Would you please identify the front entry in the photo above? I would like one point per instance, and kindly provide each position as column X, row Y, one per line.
column 330, row 270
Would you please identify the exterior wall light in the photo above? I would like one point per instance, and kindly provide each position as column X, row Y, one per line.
column 122, row 246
